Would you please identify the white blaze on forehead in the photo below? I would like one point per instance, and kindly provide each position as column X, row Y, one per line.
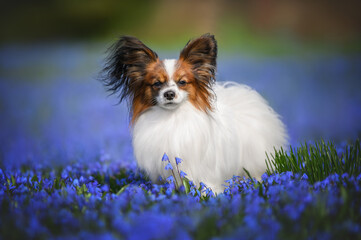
column 169, row 65
column 180, row 96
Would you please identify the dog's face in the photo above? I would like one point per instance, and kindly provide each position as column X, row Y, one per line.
column 167, row 84
column 139, row 75
column 172, row 82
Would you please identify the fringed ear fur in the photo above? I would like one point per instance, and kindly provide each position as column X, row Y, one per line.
column 126, row 65
column 201, row 53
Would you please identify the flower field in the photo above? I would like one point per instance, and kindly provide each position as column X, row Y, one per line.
column 67, row 169
column 104, row 200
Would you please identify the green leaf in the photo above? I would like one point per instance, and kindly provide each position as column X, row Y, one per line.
column 13, row 182
column 249, row 175
column 122, row 189
column 186, row 185
column 317, row 161
column 34, row 178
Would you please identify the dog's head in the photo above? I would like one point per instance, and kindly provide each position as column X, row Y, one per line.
column 136, row 72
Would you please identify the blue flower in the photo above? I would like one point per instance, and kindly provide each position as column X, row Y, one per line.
column 170, row 178
column 169, row 191
column 210, row 193
column 105, row 188
column 165, row 157
column 168, row 167
column 182, row 174
column 264, row 176
column 229, row 181
column 178, row 160
column 64, row 174
column 304, row 176
column 76, row 182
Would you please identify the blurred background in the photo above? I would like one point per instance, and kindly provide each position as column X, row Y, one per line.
column 304, row 57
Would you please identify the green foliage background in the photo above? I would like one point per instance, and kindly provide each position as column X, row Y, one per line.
column 247, row 26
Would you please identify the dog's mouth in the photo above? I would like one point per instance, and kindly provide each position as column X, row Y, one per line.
column 170, row 105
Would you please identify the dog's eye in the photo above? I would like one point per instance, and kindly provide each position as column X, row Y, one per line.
column 157, row 84
column 182, row 83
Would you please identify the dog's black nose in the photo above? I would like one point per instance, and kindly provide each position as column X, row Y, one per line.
column 169, row 95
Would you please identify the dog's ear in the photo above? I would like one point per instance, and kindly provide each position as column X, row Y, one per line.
column 201, row 54
column 125, row 66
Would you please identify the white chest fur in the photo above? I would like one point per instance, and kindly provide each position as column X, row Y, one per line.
column 213, row 146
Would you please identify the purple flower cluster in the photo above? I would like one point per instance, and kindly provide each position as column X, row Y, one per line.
column 107, row 201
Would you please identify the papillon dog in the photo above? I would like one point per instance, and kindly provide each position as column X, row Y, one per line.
column 177, row 108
